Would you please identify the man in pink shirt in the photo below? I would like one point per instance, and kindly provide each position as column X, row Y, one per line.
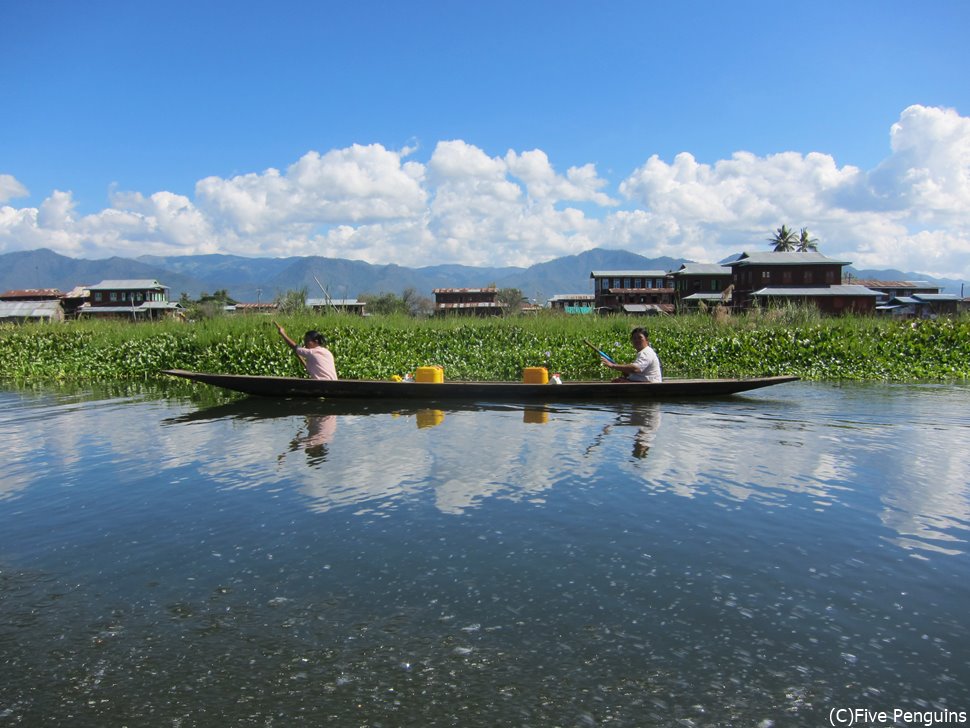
column 314, row 354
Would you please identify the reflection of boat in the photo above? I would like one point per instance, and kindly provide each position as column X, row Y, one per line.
column 476, row 391
column 262, row 408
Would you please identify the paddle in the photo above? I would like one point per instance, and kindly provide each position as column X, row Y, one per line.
column 602, row 354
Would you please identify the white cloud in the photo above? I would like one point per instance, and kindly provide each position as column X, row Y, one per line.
column 464, row 205
column 10, row 188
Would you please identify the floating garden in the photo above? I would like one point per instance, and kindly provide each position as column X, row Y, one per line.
column 785, row 341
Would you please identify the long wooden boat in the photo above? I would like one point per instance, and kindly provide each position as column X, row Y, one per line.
column 477, row 391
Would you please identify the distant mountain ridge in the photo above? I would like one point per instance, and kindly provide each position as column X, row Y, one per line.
column 252, row 279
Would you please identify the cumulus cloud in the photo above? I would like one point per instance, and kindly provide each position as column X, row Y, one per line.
column 463, row 205
column 10, row 188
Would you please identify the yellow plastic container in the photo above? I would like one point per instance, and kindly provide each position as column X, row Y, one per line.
column 429, row 375
column 429, row 418
column 535, row 416
column 535, row 375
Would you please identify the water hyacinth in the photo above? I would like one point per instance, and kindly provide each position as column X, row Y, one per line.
column 381, row 347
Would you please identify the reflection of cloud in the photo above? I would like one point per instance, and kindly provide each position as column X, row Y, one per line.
column 904, row 449
column 907, row 452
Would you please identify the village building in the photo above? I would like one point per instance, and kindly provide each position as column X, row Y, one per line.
column 573, row 303
column 31, row 304
column 633, row 291
column 763, row 279
column 921, row 305
column 32, row 294
column 467, row 301
column 134, row 299
column 893, row 289
column 264, row 308
column 696, row 283
column 345, row 305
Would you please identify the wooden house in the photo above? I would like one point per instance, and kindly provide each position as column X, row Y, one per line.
column 467, row 301
column 702, row 282
column 345, row 305
column 134, row 299
column 31, row 304
column 763, row 279
column 632, row 291
column 573, row 303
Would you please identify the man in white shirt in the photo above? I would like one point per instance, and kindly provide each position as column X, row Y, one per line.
column 645, row 367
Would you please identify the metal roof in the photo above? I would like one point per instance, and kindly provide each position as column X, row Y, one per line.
column 810, row 258
column 874, row 283
column 140, row 308
column 705, row 269
column 628, row 273
column 33, row 294
column 338, row 302
column 703, row 297
column 927, row 297
column 129, row 284
column 831, row 291
column 29, row 309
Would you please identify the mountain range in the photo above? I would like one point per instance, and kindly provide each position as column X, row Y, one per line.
column 262, row 279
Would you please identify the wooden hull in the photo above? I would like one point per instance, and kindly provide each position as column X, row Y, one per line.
column 477, row 391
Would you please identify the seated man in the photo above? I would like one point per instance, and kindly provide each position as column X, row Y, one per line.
column 645, row 367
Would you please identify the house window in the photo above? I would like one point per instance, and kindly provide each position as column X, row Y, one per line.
column 808, row 276
column 113, row 296
column 786, row 277
column 830, row 276
column 765, row 275
column 97, row 297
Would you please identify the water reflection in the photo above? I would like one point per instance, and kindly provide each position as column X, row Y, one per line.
column 318, row 433
column 644, row 416
column 743, row 561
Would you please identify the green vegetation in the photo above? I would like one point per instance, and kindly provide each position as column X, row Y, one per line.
column 785, row 341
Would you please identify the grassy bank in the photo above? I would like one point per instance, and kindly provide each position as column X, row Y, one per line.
column 785, row 342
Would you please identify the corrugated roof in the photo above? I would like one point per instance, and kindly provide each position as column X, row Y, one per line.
column 936, row 297
column 34, row 294
column 703, row 269
column 471, row 304
column 628, row 273
column 873, row 283
column 29, row 309
column 314, row 302
column 134, row 283
column 772, row 258
column 703, row 297
column 831, row 291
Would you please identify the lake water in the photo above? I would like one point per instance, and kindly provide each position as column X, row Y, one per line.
column 764, row 560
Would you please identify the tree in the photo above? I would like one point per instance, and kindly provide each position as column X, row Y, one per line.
column 807, row 243
column 292, row 301
column 511, row 299
column 784, row 240
column 416, row 304
column 384, row 303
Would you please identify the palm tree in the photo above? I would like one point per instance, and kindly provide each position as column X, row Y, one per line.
column 806, row 243
column 784, row 240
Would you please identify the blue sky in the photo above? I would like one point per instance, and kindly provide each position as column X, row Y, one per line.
column 500, row 133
